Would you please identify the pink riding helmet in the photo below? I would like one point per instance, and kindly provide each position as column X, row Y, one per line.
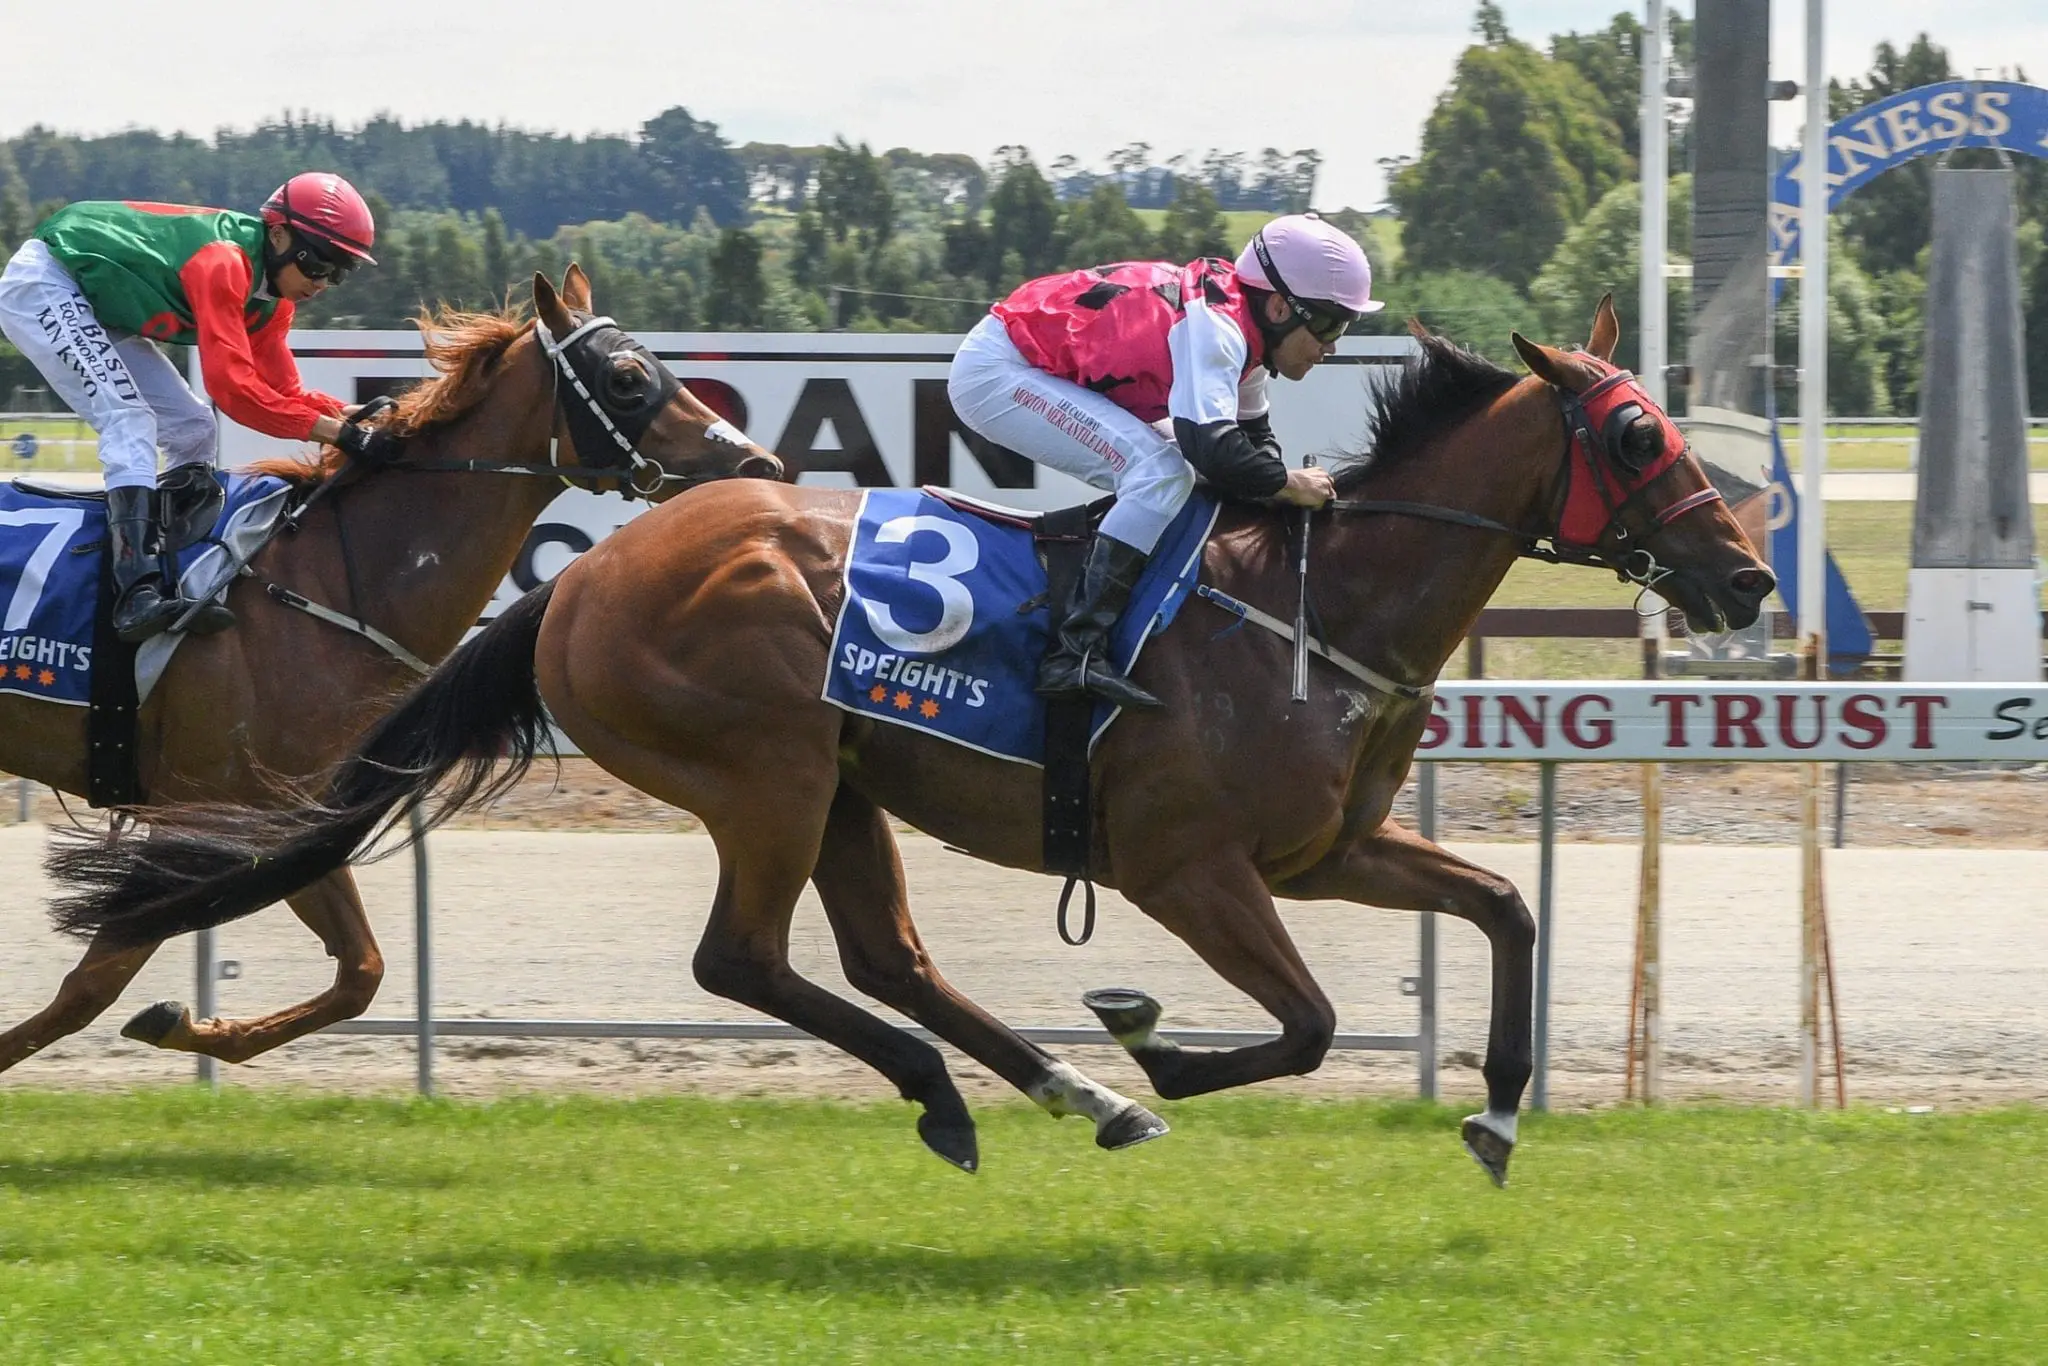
column 1315, row 260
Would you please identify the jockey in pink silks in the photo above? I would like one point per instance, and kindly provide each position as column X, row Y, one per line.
column 1138, row 376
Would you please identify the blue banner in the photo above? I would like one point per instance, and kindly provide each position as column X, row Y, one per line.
column 1849, row 638
column 1924, row 121
column 945, row 619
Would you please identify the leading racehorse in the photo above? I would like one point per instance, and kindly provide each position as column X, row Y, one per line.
column 685, row 655
column 414, row 551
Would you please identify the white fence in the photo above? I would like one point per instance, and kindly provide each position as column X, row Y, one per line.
column 1545, row 722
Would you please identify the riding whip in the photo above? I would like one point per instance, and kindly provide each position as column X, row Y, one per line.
column 1300, row 693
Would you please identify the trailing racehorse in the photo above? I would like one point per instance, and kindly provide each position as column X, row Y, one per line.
column 414, row 550
column 685, row 654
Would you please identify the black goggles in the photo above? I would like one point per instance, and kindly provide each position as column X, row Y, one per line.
column 316, row 265
column 1325, row 321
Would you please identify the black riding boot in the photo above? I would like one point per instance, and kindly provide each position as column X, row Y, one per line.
column 142, row 606
column 1079, row 660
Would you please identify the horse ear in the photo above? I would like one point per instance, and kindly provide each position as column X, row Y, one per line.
column 1606, row 329
column 1546, row 364
column 547, row 306
column 576, row 288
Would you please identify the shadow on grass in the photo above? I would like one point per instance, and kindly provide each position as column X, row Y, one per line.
column 212, row 1169
column 898, row 1271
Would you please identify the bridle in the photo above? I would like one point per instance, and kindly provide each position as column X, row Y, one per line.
column 1603, row 514
column 605, row 440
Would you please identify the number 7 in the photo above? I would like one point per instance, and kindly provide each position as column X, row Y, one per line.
column 63, row 524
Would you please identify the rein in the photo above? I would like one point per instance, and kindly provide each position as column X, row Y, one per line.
column 1616, row 397
column 1635, row 564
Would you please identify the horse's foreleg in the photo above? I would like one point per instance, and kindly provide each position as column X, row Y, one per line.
column 88, row 989
column 333, row 909
column 1218, row 906
column 859, row 877
column 1402, row 871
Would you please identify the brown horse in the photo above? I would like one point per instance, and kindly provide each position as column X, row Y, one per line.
column 685, row 655
column 415, row 550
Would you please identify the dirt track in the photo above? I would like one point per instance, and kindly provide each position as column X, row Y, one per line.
column 1942, row 954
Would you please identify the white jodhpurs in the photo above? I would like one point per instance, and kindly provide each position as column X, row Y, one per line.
column 123, row 386
column 1074, row 430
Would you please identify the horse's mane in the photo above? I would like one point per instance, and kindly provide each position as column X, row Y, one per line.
column 1437, row 389
column 464, row 347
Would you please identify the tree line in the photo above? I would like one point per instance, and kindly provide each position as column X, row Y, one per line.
column 1518, row 212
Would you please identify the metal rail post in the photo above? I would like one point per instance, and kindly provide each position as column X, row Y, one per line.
column 1425, row 1042
column 21, row 799
column 423, row 957
column 1545, row 899
column 205, row 977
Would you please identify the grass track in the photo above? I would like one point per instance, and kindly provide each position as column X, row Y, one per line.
column 175, row 1226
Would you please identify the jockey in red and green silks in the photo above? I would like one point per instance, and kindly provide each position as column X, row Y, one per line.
column 101, row 282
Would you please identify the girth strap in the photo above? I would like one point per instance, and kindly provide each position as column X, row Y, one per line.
column 1062, row 537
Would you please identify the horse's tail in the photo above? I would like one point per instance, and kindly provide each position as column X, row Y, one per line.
column 478, row 716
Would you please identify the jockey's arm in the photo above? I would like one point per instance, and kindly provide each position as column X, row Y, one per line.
column 252, row 376
column 1206, row 406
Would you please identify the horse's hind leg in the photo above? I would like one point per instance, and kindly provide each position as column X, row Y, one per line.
column 859, row 877
column 744, row 956
column 333, row 909
column 88, row 989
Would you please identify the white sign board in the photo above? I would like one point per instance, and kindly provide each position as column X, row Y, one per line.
column 1671, row 722
column 845, row 409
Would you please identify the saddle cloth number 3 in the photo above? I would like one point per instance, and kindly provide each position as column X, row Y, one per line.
column 62, row 524
column 956, row 616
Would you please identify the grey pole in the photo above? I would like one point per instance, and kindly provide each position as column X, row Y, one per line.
column 1546, row 881
column 205, row 976
column 1654, row 330
column 1425, row 1050
column 423, row 956
column 21, row 798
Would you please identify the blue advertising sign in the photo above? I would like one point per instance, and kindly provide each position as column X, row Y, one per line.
column 1925, row 121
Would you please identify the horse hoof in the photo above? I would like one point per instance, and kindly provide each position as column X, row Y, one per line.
column 1127, row 1013
column 951, row 1139
column 1130, row 1127
column 1489, row 1148
column 153, row 1025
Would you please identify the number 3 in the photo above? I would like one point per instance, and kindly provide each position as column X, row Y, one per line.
column 963, row 552
column 28, row 590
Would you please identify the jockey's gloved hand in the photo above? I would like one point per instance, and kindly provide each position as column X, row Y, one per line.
column 370, row 446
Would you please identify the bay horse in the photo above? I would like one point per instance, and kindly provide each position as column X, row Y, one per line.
column 685, row 655
column 415, row 550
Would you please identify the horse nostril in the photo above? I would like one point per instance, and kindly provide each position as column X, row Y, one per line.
column 1754, row 584
column 760, row 467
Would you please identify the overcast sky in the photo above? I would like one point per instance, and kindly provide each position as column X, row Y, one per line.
column 1355, row 80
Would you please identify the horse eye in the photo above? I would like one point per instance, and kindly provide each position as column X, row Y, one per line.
column 1642, row 441
column 626, row 380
